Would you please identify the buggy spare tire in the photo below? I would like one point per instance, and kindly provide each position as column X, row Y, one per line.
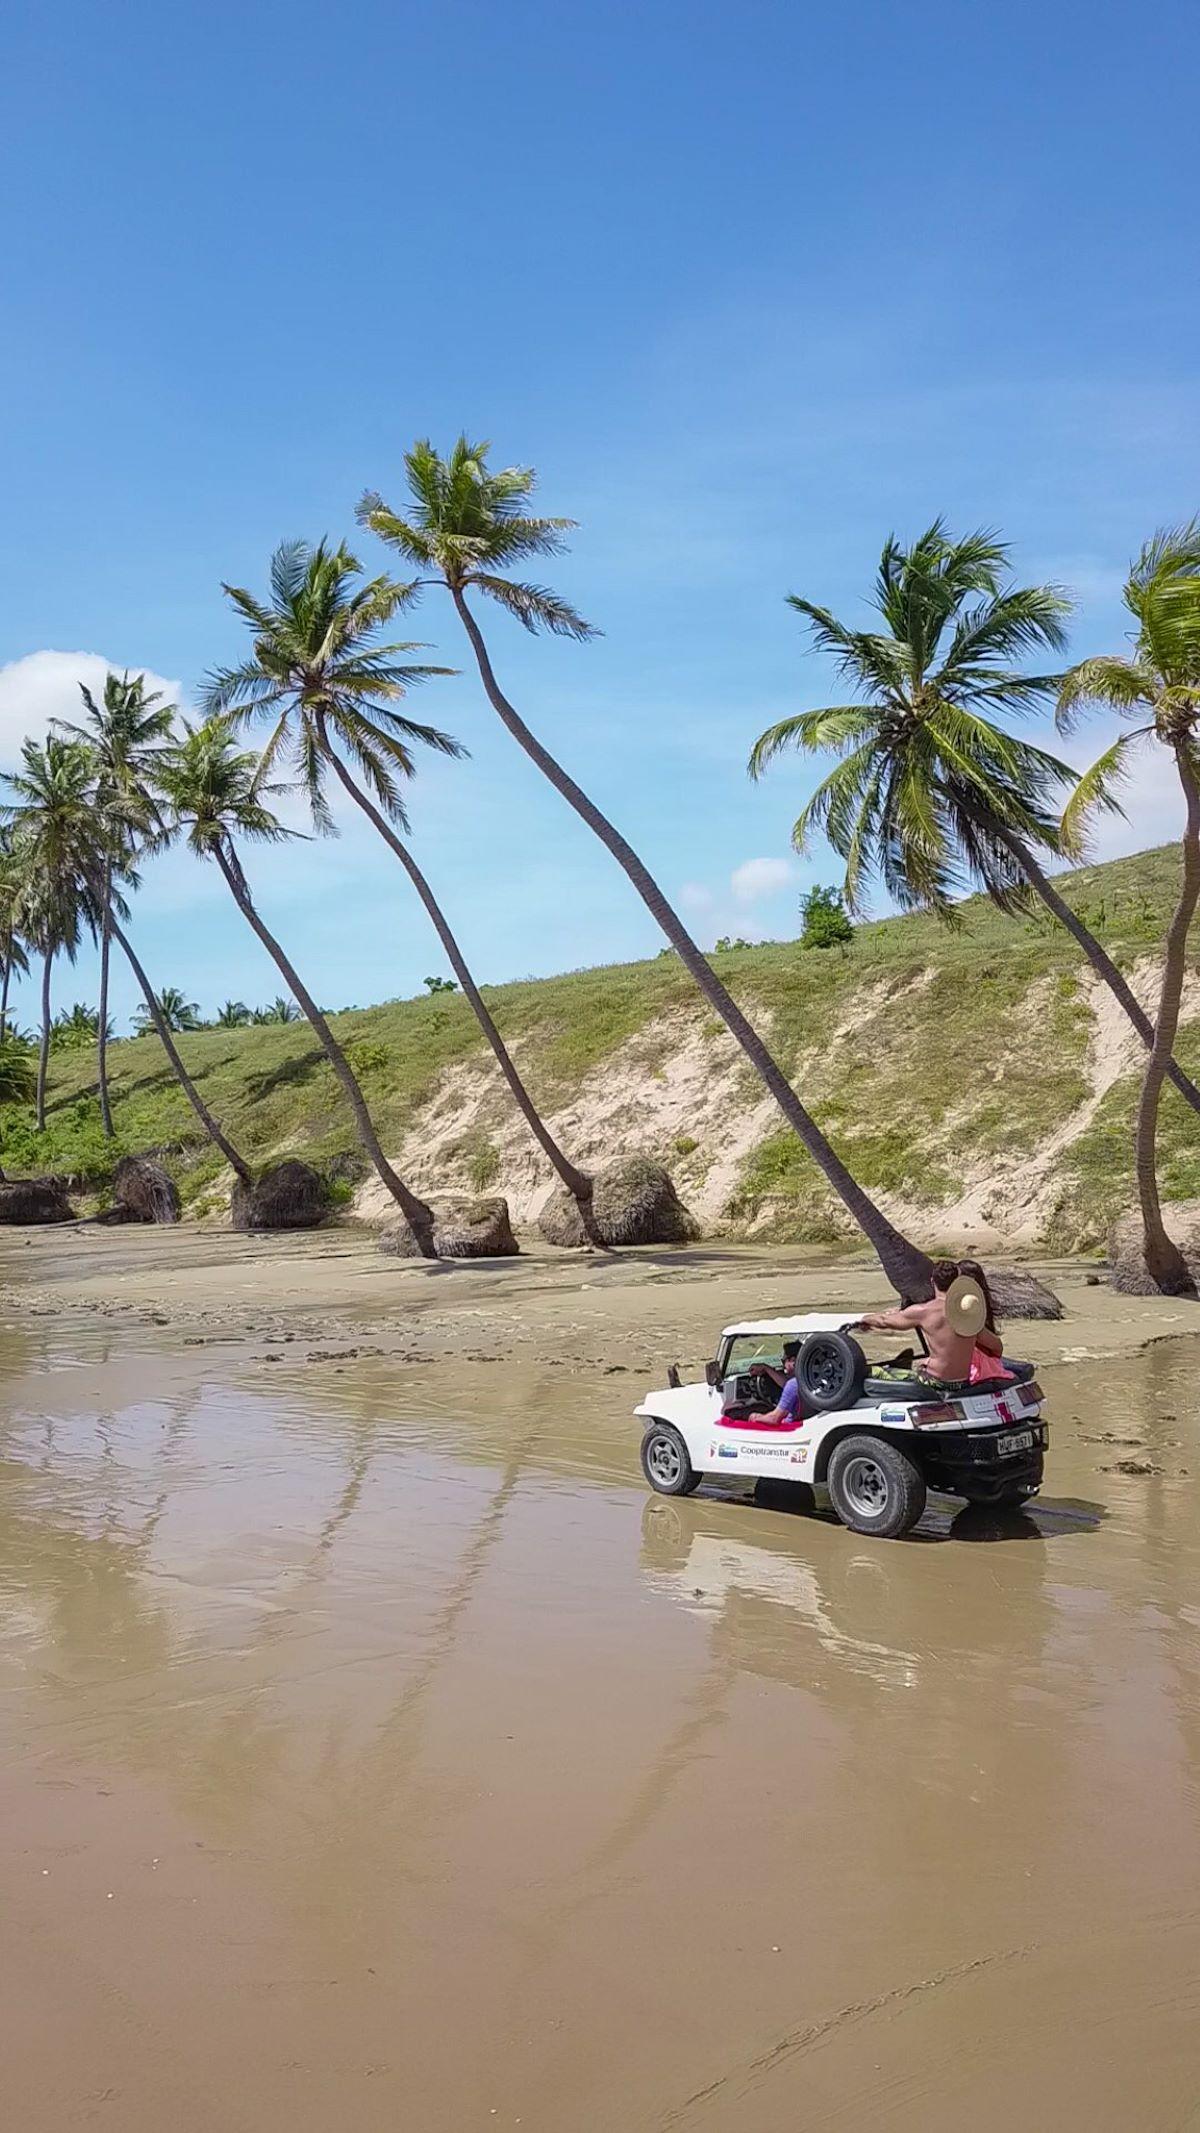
column 831, row 1370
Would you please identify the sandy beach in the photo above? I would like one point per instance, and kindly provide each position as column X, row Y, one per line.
column 632, row 1310
column 377, row 1752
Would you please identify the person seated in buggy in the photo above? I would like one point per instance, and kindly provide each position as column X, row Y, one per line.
column 987, row 1363
column 788, row 1403
column 950, row 1348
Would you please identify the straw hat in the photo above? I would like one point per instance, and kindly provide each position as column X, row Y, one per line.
column 966, row 1307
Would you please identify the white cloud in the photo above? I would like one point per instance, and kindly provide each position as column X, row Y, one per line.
column 695, row 897
column 757, row 878
column 45, row 685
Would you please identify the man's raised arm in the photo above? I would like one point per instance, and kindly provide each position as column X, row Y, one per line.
column 894, row 1321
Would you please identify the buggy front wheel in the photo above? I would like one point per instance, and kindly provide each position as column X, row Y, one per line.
column 665, row 1461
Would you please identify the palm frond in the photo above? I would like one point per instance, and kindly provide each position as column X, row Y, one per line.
column 839, row 726
column 535, row 606
column 1124, row 685
column 1097, row 792
column 1025, row 619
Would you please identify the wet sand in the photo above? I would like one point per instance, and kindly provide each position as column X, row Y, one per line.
column 378, row 1754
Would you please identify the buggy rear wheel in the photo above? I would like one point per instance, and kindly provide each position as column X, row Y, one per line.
column 874, row 1488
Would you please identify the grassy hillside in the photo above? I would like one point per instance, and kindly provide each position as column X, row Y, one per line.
column 931, row 1055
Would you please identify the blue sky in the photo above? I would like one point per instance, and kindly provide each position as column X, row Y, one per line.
column 750, row 286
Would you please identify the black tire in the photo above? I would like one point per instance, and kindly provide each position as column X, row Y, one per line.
column 665, row 1462
column 874, row 1488
column 831, row 1370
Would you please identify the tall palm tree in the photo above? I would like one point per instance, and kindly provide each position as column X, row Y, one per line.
column 320, row 673
column 58, row 844
column 930, row 793
column 1159, row 685
column 211, row 794
column 13, row 956
column 467, row 527
column 176, row 1010
column 125, row 732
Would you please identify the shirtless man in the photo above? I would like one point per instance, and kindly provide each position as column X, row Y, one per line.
column 948, row 1362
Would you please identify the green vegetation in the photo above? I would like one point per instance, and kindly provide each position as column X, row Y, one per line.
column 177, row 1012
column 824, row 920
column 958, row 1045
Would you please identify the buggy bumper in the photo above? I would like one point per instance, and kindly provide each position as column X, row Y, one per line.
column 975, row 1464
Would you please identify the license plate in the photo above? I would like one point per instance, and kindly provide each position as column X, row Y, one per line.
column 1017, row 1440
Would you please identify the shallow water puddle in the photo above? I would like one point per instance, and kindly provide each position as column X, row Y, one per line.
column 377, row 1753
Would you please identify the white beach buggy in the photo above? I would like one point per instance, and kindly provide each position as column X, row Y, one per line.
column 876, row 1440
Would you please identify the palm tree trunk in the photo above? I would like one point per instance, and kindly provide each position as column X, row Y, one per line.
column 4, row 998
column 578, row 1184
column 906, row 1267
column 418, row 1216
column 44, row 1052
column 1165, row 1263
column 238, row 1163
column 102, row 1032
column 1101, row 963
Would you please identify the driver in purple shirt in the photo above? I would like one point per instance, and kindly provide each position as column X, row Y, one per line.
column 789, row 1397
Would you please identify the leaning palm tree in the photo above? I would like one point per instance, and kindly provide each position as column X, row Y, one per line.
column 174, row 1008
column 466, row 528
column 321, row 675
column 1159, row 685
column 211, row 793
column 58, row 844
column 13, row 956
column 930, row 794
column 124, row 731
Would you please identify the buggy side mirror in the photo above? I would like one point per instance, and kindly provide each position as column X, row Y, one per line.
column 712, row 1375
column 673, row 1378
